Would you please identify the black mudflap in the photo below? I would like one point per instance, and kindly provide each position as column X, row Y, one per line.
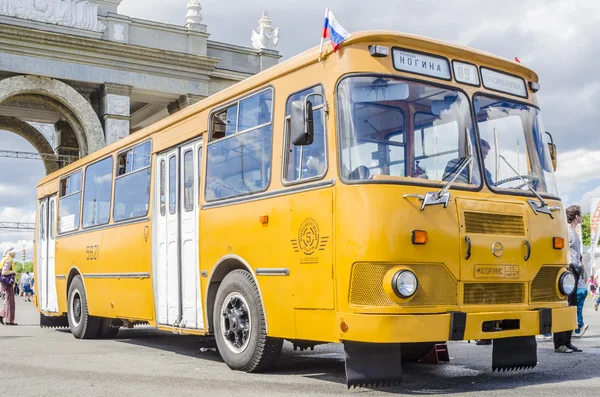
column 373, row 364
column 53, row 322
column 515, row 353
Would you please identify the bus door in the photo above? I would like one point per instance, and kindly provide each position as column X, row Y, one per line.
column 178, row 297
column 46, row 285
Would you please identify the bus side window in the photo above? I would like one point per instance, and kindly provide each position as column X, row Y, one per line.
column 96, row 193
column 306, row 162
column 69, row 203
column 239, row 163
column 132, row 183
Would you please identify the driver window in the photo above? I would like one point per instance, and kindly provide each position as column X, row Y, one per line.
column 306, row 162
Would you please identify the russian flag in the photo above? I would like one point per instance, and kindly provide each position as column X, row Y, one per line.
column 334, row 30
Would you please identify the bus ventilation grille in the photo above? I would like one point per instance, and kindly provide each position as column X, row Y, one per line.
column 494, row 293
column 543, row 287
column 487, row 223
column 436, row 286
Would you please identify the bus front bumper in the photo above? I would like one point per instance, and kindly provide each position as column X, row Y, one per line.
column 413, row 328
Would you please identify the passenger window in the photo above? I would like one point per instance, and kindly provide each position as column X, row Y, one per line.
column 255, row 111
column 224, row 123
column 69, row 203
column 51, row 221
column 306, row 162
column 241, row 164
column 132, row 185
column 163, row 198
column 172, row 185
column 97, row 192
column 188, row 180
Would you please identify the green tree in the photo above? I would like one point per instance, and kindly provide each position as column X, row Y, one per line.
column 585, row 229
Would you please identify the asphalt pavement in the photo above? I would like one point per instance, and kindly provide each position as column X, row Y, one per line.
column 148, row 362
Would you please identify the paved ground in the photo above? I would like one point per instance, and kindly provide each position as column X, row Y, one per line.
column 152, row 363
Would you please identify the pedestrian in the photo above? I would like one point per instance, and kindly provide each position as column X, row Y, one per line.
column 8, row 274
column 26, row 286
column 562, row 340
column 593, row 287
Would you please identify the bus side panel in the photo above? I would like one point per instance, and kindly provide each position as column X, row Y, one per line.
column 236, row 230
column 116, row 266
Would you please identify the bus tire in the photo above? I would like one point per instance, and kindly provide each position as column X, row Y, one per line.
column 106, row 330
column 83, row 326
column 240, row 326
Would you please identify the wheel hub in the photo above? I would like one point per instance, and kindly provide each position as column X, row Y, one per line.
column 236, row 323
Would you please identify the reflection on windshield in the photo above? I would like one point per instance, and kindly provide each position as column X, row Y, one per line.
column 405, row 129
column 515, row 132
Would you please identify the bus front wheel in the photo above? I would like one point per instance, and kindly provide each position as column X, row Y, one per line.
column 240, row 326
column 83, row 326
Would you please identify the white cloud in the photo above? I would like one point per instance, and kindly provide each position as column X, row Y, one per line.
column 11, row 214
column 576, row 168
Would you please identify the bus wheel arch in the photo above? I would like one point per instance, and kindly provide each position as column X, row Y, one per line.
column 224, row 266
column 72, row 274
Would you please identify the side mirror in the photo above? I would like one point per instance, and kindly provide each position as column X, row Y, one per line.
column 553, row 151
column 302, row 127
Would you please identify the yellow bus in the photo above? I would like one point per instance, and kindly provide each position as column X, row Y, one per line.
column 393, row 195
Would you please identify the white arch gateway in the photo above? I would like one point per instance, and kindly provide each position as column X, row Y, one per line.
column 98, row 75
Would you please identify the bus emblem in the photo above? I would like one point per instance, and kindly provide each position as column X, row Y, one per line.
column 497, row 249
column 308, row 236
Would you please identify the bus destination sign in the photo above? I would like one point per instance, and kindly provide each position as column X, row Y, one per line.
column 504, row 83
column 427, row 65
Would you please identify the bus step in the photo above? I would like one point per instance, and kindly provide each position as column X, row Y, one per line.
column 509, row 354
column 373, row 364
column 439, row 353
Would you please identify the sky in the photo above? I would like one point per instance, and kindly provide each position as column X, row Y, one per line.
column 557, row 39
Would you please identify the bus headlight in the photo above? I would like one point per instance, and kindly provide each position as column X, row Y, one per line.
column 404, row 284
column 566, row 283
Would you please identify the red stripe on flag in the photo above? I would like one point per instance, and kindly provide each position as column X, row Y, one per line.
column 325, row 30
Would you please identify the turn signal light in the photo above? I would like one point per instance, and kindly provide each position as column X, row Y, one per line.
column 558, row 243
column 419, row 237
column 264, row 219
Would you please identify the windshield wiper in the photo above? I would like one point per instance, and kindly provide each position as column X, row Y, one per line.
column 443, row 196
column 542, row 205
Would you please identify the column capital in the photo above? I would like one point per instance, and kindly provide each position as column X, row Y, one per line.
column 116, row 89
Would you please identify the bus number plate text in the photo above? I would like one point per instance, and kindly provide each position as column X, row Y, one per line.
column 500, row 271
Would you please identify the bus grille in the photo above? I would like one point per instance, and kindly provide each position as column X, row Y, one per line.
column 436, row 286
column 543, row 287
column 487, row 223
column 494, row 293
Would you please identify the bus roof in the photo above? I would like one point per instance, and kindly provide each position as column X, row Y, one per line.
column 424, row 44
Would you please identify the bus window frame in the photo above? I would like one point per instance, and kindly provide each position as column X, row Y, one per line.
column 116, row 177
column 495, row 190
column 285, row 154
column 410, row 181
column 112, row 186
column 59, row 197
column 210, row 140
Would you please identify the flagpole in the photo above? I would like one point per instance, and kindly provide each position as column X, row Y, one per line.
column 323, row 35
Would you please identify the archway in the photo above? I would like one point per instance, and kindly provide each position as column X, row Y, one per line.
column 66, row 100
column 33, row 136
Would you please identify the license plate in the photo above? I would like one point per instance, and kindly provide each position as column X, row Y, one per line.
column 496, row 271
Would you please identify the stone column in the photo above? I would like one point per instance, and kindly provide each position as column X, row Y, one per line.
column 115, row 111
column 66, row 142
column 183, row 102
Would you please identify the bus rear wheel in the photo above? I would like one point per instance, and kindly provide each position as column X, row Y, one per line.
column 240, row 326
column 83, row 326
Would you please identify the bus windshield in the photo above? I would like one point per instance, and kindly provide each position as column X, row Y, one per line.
column 395, row 128
column 514, row 146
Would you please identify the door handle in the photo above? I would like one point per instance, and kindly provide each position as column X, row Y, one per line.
column 468, row 241
column 528, row 248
